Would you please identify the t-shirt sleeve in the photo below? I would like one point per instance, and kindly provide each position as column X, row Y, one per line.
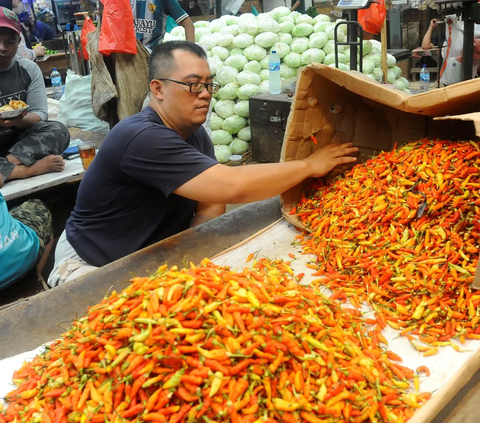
column 174, row 9
column 163, row 160
column 36, row 92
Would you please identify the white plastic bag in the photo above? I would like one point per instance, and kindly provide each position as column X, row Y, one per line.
column 75, row 106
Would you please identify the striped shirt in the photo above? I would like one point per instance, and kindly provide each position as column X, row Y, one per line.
column 150, row 17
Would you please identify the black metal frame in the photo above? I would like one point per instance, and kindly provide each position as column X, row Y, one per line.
column 352, row 34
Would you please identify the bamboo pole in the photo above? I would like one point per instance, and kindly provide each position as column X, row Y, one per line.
column 384, row 50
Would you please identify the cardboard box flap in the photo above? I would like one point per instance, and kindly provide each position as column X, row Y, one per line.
column 469, row 117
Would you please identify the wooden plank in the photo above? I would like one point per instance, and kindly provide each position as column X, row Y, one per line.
column 384, row 51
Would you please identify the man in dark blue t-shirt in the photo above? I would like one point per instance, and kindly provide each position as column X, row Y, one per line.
column 156, row 174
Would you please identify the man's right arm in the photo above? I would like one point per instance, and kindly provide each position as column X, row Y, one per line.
column 243, row 184
column 427, row 39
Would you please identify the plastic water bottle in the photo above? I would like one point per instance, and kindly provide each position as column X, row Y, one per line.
column 424, row 79
column 56, row 84
column 275, row 83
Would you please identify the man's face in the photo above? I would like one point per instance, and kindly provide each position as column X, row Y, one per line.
column 188, row 109
column 9, row 41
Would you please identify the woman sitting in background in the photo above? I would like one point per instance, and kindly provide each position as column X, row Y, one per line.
column 37, row 30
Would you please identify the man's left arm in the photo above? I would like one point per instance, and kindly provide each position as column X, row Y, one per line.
column 206, row 212
column 189, row 29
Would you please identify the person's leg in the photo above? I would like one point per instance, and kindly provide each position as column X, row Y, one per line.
column 38, row 151
column 35, row 214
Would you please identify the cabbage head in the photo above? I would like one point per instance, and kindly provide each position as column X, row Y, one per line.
column 249, row 26
column 264, row 63
column 230, row 20
column 246, row 16
column 234, row 51
column 302, row 30
column 398, row 71
column 253, row 66
column 265, row 86
column 216, row 122
column 280, row 12
column 294, row 60
column 340, row 35
column 200, row 24
column 234, row 123
column 229, row 91
column 295, row 15
column 304, row 19
column 399, row 84
column 269, row 25
column 375, row 58
column 285, row 38
column 245, row 134
column 286, row 27
column 247, row 90
column 287, row 71
column 330, row 47
column 330, row 59
column 178, row 31
column 246, row 77
column 212, row 104
column 282, row 49
column 242, row 40
column 200, row 32
column 312, row 55
column 239, row 146
column 264, row 74
column 286, row 19
column 255, row 52
column 317, row 40
column 299, row 45
column 321, row 18
column 221, row 137
column 368, row 66
column 242, row 109
column 216, row 25
column 391, row 76
column 215, row 64
column 378, row 74
column 208, row 40
column 226, row 75
column 225, row 40
column 405, row 81
column 367, row 47
column 266, row 39
column 391, row 61
column 236, row 61
column 322, row 27
column 225, row 108
column 221, row 52
column 232, row 30
column 222, row 153
column 371, row 76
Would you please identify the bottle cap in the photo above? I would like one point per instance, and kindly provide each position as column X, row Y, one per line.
column 273, row 51
column 424, row 66
column 54, row 69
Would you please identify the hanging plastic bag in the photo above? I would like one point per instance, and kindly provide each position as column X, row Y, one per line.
column 117, row 34
column 372, row 19
column 88, row 27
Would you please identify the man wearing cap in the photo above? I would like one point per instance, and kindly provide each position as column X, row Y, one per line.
column 29, row 144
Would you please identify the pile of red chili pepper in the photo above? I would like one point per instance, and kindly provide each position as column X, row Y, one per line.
column 401, row 231
column 209, row 344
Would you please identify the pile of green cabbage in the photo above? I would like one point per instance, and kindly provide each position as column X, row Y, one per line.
column 238, row 49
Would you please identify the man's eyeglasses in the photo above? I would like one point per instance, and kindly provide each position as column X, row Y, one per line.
column 196, row 87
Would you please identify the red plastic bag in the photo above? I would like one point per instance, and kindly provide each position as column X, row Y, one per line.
column 88, row 27
column 372, row 19
column 117, row 34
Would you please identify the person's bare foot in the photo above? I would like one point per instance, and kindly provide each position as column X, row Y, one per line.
column 48, row 164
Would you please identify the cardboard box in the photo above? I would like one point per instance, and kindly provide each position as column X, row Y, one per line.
column 338, row 106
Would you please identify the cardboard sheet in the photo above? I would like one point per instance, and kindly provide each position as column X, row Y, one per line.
column 450, row 369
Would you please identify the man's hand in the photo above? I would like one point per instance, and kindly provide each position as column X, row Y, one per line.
column 39, row 51
column 433, row 23
column 327, row 158
column 17, row 122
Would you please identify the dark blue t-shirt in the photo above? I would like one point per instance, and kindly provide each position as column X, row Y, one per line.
column 125, row 201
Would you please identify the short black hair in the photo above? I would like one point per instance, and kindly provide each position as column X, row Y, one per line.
column 162, row 63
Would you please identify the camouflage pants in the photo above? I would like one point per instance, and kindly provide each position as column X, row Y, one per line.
column 35, row 143
column 34, row 214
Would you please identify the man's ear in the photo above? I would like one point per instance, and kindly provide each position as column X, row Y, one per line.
column 157, row 89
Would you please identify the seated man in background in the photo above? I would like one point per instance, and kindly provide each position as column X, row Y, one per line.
column 26, row 239
column 156, row 173
column 29, row 145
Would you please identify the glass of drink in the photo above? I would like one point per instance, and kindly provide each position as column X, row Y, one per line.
column 87, row 153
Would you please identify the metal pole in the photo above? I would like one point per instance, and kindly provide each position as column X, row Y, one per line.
column 467, row 41
column 352, row 37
